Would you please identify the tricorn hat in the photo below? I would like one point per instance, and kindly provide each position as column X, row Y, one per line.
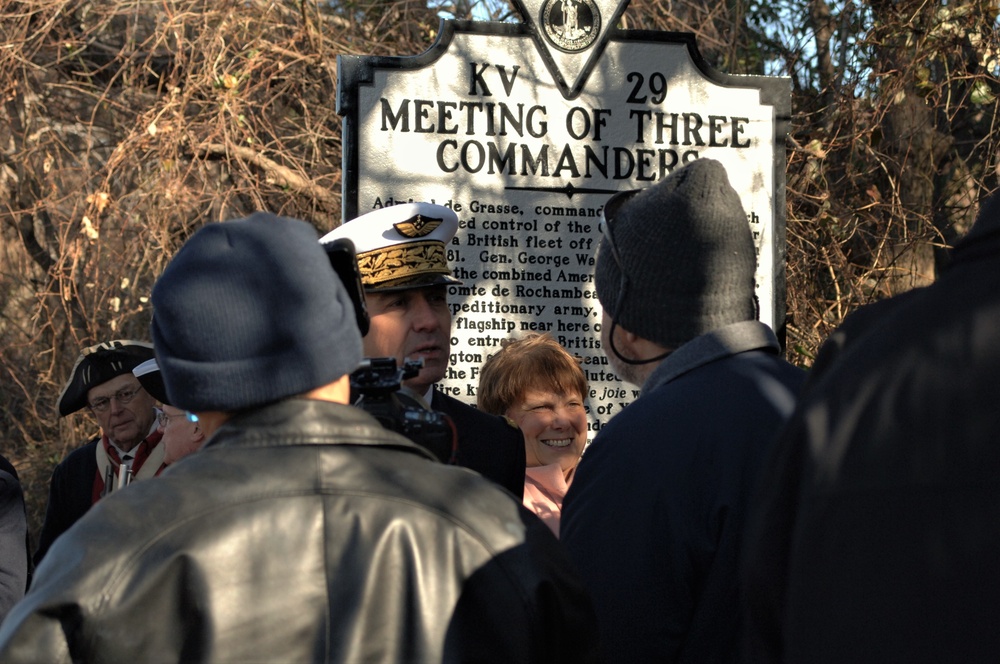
column 99, row 364
column 151, row 380
column 401, row 246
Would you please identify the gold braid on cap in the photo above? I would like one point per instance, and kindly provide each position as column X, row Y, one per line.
column 408, row 259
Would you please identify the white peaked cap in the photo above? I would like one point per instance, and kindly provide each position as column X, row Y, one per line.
column 401, row 246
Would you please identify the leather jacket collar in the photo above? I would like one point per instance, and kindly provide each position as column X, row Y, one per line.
column 299, row 421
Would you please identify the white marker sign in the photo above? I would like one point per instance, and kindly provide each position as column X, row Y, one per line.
column 485, row 123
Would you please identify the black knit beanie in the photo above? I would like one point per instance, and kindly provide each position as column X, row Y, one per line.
column 249, row 312
column 687, row 256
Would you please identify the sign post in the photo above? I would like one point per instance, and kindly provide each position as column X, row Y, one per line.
column 526, row 131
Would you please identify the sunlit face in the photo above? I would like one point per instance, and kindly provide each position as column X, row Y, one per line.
column 413, row 323
column 554, row 427
column 181, row 436
column 126, row 424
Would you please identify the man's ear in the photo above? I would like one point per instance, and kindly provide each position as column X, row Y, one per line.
column 210, row 421
column 632, row 345
column 630, row 337
column 625, row 341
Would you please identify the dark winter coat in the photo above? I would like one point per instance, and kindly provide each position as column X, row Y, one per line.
column 71, row 490
column 487, row 444
column 654, row 517
column 15, row 565
column 876, row 534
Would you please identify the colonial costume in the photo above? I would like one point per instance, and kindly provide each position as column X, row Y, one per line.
column 97, row 468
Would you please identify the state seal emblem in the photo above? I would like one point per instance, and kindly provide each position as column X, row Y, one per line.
column 570, row 25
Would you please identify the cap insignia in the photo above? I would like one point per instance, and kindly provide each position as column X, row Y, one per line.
column 417, row 226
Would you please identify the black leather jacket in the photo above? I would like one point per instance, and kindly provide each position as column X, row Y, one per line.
column 304, row 532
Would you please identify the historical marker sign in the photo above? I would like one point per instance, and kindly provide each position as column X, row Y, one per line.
column 526, row 133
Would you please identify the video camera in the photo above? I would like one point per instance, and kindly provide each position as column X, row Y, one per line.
column 375, row 388
column 376, row 385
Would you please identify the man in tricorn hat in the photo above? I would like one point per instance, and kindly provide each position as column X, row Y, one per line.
column 127, row 447
column 402, row 258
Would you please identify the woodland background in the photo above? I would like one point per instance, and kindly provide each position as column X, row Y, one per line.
column 125, row 125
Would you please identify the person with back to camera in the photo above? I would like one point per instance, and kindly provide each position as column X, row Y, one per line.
column 538, row 385
column 875, row 534
column 303, row 530
column 401, row 251
column 655, row 515
column 15, row 558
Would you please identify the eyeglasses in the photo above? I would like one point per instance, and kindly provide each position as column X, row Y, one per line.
column 610, row 210
column 122, row 396
column 610, row 240
column 163, row 419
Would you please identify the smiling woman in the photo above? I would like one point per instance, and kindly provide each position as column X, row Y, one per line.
column 539, row 386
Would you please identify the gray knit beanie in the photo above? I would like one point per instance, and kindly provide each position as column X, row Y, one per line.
column 249, row 312
column 687, row 255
